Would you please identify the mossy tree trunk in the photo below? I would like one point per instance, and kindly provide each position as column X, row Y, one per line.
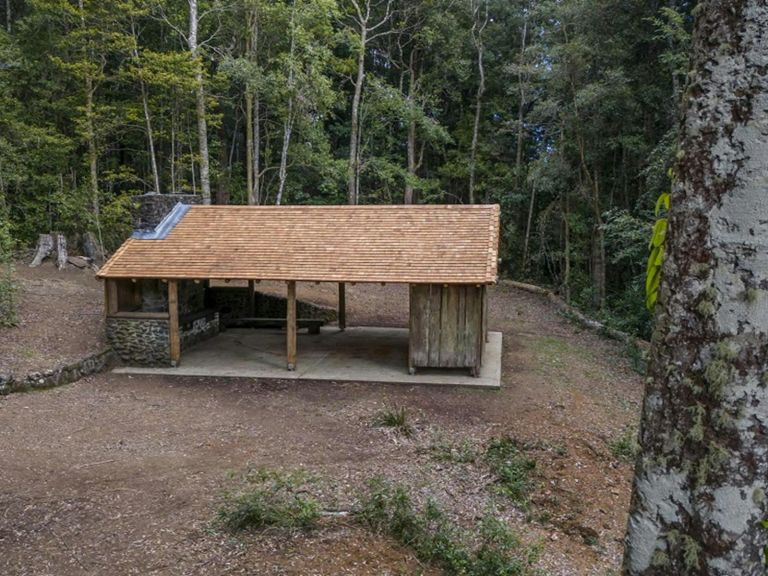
column 699, row 498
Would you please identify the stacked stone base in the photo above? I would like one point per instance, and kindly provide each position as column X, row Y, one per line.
column 56, row 376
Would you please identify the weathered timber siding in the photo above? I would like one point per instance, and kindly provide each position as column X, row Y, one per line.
column 446, row 326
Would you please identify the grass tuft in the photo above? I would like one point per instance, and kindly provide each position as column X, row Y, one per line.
column 269, row 498
column 443, row 451
column 434, row 538
column 513, row 469
column 395, row 417
column 625, row 447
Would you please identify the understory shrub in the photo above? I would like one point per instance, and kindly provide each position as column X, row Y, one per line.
column 8, row 288
column 269, row 498
column 434, row 538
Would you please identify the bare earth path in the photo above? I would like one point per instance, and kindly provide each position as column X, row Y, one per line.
column 123, row 475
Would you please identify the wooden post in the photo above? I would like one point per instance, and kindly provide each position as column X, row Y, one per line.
column 106, row 298
column 173, row 322
column 291, row 325
column 342, row 313
column 110, row 296
column 251, row 299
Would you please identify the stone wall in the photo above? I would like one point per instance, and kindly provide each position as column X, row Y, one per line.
column 233, row 303
column 150, row 209
column 140, row 342
column 146, row 342
column 56, row 376
column 198, row 328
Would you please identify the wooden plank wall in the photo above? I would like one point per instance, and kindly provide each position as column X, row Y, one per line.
column 447, row 326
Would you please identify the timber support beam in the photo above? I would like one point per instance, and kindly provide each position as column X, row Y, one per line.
column 173, row 322
column 291, row 326
column 342, row 312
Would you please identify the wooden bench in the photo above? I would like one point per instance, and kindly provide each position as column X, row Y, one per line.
column 312, row 324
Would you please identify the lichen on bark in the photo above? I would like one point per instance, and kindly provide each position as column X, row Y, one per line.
column 694, row 509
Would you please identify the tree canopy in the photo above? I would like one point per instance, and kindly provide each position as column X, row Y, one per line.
column 563, row 112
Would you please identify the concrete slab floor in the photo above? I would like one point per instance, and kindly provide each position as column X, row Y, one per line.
column 359, row 354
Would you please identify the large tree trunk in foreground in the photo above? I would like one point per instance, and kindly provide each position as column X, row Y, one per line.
column 700, row 485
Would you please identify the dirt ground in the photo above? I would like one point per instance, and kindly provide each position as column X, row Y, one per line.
column 60, row 319
column 122, row 474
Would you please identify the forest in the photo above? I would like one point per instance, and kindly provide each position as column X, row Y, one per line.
column 565, row 112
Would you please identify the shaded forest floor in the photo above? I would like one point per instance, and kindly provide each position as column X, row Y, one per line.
column 124, row 474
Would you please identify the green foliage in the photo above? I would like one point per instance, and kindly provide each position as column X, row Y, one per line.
column 577, row 122
column 395, row 417
column 656, row 257
column 513, row 469
column 269, row 498
column 8, row 289
column 434, row 538
column 463, row 453
column 625, row 446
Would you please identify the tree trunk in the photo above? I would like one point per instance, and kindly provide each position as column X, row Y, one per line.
column 411, row 141
column 283, row 171
column 8, row 16
column 173, row 151
column 147, row 117
column 354, row 159
column 699, row 499
column 566, row 248
column 256, row 190
column 202, row 123
column 252, row 105
column 528, row 228
column 520, row 111
column 150, row 139
column 288, row 123
column 249, row 132
column 477, row 36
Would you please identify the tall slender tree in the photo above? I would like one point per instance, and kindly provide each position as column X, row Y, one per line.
column 368, row 21
column 479, row 23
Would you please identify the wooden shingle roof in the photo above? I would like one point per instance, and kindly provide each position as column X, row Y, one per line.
column 409, row 244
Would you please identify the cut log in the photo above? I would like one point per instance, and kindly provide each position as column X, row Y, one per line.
column 80, row 261
column 44, row 249
column 91, row 248
column 60, row 245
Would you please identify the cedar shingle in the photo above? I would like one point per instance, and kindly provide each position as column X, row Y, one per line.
column 410, row 244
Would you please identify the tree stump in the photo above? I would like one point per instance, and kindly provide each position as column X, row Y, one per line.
column 44, row 249
column 47, row 244
column 60, row 245
column 91, row 248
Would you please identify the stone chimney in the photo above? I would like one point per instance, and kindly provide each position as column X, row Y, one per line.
column 150, row 209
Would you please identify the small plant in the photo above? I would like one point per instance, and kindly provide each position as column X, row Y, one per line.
column 395, row 417
column 434, row 538
column 625, row 447
column 463, row 453
column 269, row 498
column 512, row 469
